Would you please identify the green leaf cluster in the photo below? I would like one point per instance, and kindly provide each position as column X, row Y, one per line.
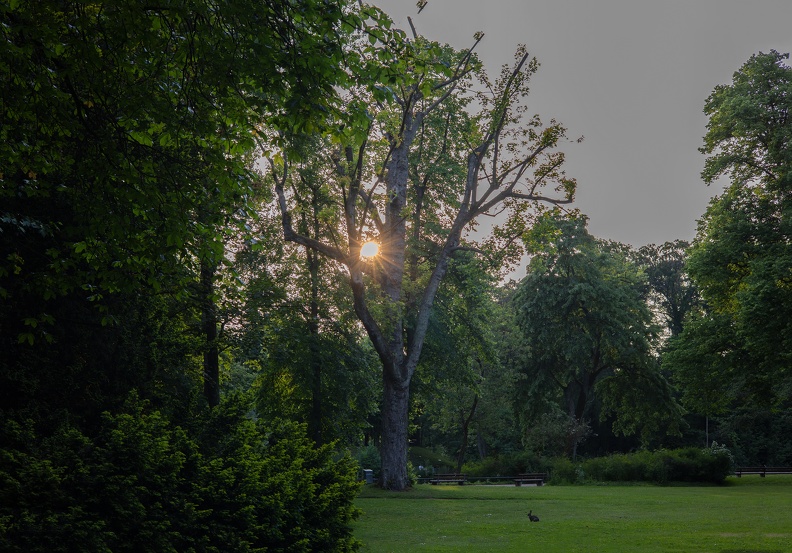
column 126, row 130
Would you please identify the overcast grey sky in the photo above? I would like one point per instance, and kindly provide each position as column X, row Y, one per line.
column 632, row 77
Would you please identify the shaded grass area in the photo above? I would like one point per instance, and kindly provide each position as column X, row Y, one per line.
column 747, row 515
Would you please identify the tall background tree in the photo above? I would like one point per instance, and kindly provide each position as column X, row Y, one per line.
column 672, row 295
column 736, row 355
column 589, row 333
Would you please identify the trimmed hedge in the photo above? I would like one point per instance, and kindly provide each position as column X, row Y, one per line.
column 688, row 464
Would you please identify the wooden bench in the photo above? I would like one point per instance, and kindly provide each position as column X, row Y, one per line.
column 762, row 471
column 448, row 479
column 537, row 478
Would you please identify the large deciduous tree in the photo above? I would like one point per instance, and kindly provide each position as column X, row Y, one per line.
column 741, row 259
column 125, row 134
column 428, row 167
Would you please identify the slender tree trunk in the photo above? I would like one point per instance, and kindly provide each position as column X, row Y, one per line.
column 315, row 416
column 706, row 430
column 481, row 445
column 211, row 356
column 465, row 434
column 576, row 406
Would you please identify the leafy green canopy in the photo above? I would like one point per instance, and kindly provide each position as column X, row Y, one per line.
column 749, row 132
column 126, row 132
column 125, row 129
column 590, row 333
column 741, row 259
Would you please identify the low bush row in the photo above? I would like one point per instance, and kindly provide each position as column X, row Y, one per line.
column 688, row 464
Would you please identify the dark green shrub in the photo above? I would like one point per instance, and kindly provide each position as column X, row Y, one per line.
column 679, row 465
column 129, row 489
column 508, row 464
column 368, row 457
column 564, row 471
column 639, row 466
column 273, row 489
column 144, row 485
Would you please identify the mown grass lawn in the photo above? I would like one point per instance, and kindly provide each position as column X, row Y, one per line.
column 747, row 515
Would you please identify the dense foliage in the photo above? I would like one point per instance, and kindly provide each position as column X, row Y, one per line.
column 590, row 334
column 125, row 129
column 126, row 134
column 733, row 359
column 142, row 484
column 663, row 466
column 689, row 464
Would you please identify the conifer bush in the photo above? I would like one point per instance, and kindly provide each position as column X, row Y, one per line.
column 142, row 484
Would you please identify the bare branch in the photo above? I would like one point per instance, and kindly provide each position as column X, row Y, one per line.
column 459, row 74
column 462, row 63
column 535, row 198
column 470, row 249
column 505, row 99
column 371, row 207
column 409, row 19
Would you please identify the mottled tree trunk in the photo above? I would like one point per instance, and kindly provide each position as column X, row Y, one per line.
column 396, row 373
column 395, row 425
